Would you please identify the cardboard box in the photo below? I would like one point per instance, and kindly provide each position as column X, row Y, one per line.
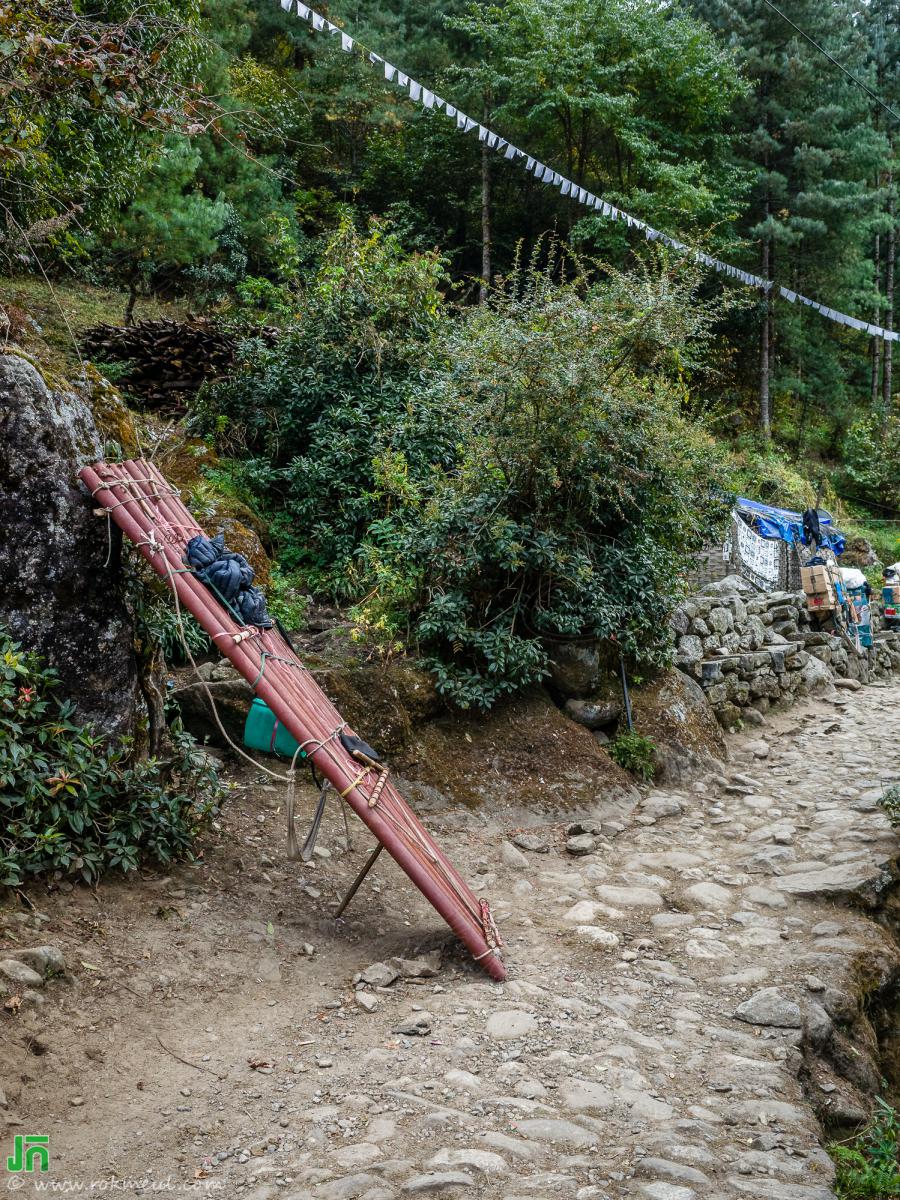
column 821, row 601
column 816, row 580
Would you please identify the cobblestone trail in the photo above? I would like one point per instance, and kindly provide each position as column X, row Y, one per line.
column 683, row 1001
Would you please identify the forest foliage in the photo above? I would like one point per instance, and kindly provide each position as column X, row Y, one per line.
column 479, row 477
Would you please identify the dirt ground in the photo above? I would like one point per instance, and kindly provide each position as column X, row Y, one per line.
column 208, row 1037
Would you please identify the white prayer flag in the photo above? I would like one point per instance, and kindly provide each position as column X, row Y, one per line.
column 546, row 174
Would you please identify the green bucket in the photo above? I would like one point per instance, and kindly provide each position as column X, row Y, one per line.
column 263, row 731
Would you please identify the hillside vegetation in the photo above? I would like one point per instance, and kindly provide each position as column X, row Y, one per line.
column 481, row 415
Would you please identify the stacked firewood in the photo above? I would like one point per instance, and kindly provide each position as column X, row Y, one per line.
column 166, row 361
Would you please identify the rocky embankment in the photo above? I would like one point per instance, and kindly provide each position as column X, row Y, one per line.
column 750, row 650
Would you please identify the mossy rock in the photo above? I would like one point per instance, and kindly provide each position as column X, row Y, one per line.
column 384, row 703
column 673, row 710
column 114, row 420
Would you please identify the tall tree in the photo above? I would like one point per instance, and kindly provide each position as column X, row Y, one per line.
column 812, row 143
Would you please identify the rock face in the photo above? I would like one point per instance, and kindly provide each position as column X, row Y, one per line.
column 675, row 712
column 58, row 598
column 575, row 667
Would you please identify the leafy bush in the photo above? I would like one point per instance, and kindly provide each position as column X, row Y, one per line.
column 525, row 470
column 286, row 599
column 889, row 800
column 310, row 413
column 634, row 753
column 871, row 454
column 564, row 489
column 867, row 1168
column 77, row 804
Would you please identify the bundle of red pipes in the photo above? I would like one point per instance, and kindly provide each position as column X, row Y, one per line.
column 138, row 499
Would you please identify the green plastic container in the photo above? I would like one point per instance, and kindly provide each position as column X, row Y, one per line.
column 263, row 731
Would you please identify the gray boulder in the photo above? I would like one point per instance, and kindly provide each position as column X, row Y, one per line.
column 59, row 596
column 593, row 714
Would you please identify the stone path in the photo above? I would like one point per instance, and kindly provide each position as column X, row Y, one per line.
column 647, row 1043
column 684, row 1003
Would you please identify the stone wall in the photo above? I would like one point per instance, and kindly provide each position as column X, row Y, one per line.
column 750, row 650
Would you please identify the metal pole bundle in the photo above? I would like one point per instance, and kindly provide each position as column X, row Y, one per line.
column 149, row 511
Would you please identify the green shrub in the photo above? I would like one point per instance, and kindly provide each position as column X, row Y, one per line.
column 634, row 753
column 867, row 1167
column 286, row 599
column 74, row 803
column 567, row 492
column 159, row 623
column 310, row 414
column 528, row 469
column 889, row 800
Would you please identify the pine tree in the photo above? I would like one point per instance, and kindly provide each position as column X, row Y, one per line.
column 812, row 144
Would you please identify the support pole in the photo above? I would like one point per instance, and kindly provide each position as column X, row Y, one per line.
column 357, row 882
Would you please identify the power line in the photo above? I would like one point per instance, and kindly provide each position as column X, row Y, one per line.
column 854, row 78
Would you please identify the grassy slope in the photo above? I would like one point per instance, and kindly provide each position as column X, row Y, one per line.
column 63, row 307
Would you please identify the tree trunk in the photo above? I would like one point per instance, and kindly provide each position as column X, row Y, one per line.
column 887, row 352
column 486, row 234
column 132, row 300
column 765, row 418
column 876, row 320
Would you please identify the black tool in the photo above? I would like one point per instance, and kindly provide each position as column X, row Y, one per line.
column 359, row 749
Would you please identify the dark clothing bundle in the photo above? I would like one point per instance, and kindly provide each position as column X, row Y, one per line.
column 230, row 577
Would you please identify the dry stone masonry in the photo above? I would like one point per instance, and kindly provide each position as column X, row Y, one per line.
column 750, row 650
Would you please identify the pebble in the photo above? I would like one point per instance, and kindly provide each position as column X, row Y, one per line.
column 533, row 842
column 439, row 1181
column 512, row 857
column 379, row 974
column 581, row 843
column 509, row 1026
column 629, row 897
column 484, row 1161
column 20, row 974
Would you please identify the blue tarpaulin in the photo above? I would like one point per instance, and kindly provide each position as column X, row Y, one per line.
column 781, row 524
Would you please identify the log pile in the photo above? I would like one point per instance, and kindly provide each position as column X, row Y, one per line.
column 167, row 361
